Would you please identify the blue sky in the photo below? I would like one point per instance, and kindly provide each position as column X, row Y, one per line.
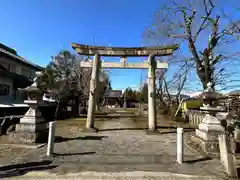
column 38, row 29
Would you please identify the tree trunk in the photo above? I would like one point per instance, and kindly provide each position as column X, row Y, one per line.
column 75, row 106
column 56, row 114
column 205, row 76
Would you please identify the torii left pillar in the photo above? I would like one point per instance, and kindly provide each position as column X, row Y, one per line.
column 152, row 117
column 94, row 83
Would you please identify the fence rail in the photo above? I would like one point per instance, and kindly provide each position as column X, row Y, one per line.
column 194, row 117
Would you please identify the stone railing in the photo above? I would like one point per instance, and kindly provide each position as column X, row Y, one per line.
column 194, row 117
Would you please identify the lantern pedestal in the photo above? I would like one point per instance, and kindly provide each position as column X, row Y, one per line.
column 32, row 127
column 206, row 136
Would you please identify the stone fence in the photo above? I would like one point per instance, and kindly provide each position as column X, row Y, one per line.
column 194, row 117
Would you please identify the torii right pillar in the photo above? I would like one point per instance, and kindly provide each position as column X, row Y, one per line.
column 152, row 116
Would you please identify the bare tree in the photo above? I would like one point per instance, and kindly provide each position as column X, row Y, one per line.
column 65, row 79
column 197, row 27
column 170, row 89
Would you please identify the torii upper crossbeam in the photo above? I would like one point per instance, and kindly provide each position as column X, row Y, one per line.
column 124, row 51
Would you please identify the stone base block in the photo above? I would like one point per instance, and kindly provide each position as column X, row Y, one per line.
column 153, row 132
column 207, row 136
column 211, row 127
column 28, row 137
column 32, row 119
column 23, row 127
column 210, row 148
column 90, row 130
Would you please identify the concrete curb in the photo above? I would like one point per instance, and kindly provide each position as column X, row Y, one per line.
column 28, row 146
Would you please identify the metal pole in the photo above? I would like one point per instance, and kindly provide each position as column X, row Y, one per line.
column 180, row 146
column 51, row 138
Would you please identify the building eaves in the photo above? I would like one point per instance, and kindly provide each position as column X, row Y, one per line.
column 22, row 60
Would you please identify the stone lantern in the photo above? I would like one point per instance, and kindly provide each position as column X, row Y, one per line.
column 32, row 127
column 210, row 101
column 33, row 93
column 209, row 96
column 206, row 136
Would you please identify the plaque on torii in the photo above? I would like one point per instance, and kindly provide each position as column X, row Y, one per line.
column 123, row 53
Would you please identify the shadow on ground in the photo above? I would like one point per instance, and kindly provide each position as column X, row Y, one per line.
column 59, row 139
column 110, row 116
column 173, row 129
column 122, row 129
column 168, row 132
column 197, row 160
column 73, row 154
column 21, row 169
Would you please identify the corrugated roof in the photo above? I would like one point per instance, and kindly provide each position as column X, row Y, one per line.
column 19, row 58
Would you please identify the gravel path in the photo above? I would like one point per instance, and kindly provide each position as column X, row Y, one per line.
column 110, row 151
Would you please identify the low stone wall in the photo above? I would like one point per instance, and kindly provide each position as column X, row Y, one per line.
column 194, row 117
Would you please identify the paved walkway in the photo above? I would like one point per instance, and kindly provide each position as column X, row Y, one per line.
column 112, row 151
column 136, row 175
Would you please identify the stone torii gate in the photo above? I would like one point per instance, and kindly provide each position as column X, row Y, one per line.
column 123, row 53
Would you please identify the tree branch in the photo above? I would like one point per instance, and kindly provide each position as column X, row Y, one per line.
column 191, row 43
column 208, row 13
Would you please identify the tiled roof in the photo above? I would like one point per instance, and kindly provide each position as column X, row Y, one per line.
column 19, row 58
column 113, row 93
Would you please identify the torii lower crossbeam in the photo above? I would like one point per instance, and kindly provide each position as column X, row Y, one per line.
column 115, row 65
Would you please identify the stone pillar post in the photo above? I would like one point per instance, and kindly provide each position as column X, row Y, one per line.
column 51, row 138
column 227, row 157
column 93, row 92
column 151, row 94
column 180, row 145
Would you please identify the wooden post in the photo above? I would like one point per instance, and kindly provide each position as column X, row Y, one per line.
column 151, row 94
column 180, row 145
column 93, row 92
column 51, row 138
